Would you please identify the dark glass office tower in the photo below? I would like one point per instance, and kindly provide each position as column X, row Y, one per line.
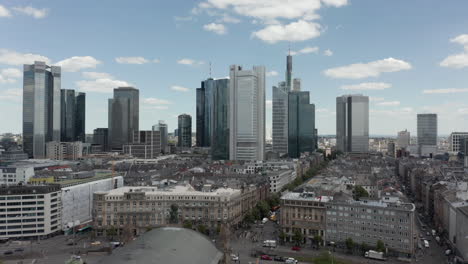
column 220, row 121
column 41, row 107
column 301, row 124
column 184, row 131
column 200, row 116
column 80, row 117
column 68, row 114
column 123, row 117
column 352, row 123
column 280, row 118
column 100, row 138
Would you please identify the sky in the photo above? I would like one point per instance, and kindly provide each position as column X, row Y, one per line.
column 409, row 56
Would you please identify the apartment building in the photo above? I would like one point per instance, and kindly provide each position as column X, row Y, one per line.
column 15, row 175
column 278, row 179
column 30, row 211
column 370, row 221
column 64, row 150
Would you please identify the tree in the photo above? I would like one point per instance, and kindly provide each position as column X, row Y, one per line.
column 349, row 244
column 282, row 237
column 111, row 232
column 263, row 208
column 249, row 218
column 202, row 229
column 364, row 247
column 174, row 214
column 359, row 192
column 298, row 238
column 187, row 224
column 380, row 246
column 256, row 213
column 274, row 200
column 318, row 240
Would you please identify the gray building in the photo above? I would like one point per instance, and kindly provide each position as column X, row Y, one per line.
column 161, row 126
column 100, row 138
column 247, row 113
column 200, row 115
column 288, row 78
column 145, row 145
column 184, row 131
column 456, row 140
column 80, row 117
column 41, row 107
column 427, row 129
column 280, row 118
column 403, row 139
column 301, row 124
column 296, row 85
column 220, row 121
column 352, row 123
column 73, row 113
column 123, row 117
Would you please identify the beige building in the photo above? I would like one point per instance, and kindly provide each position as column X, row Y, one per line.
column 64, row 150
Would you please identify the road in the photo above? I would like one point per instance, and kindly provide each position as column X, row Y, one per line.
column 435, row 254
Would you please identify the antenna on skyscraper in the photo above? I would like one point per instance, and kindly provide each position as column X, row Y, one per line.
column 210, row 69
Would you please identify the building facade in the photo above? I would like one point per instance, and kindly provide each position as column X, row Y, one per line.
column 247, row 113
column 80, row 117
column 41, row 107
column 280, row 118
column 146, row 145
column 352, row 123
column 427, row 130
column 28, row 211
column 15, row 175
column 403, row 139
column 64, row 150
column 301, row 124
column 161, row 126
column 456, row 141
column 123, row 117
column 100, row 138
column 73, row 113
column 200, row 115
column 220, row 121
column 184, row 131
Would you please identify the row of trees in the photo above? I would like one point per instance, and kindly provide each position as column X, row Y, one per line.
column 351, row 246
column 305, row 177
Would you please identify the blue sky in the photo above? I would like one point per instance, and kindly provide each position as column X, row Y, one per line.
column 409, row 56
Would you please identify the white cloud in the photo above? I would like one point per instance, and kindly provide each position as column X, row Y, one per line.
column 10, row 57
column 131, row 60
column 97, row 75
column 293, row 32
column 186, row 18
column 156, row 101
column 76, row 63
column 328, row 52
column 179, row 88
column 4, row 12
column 305, row 50
column 103, row 85
column 463, row 111
column 389, row 103
column 187, row 61
column 229, row 19
column 156, row 61
column 271, row 73
column 322, row 110
column 219, row 29
column 446, row 91
column 11, row 95
column 9, row 75
column 370, row 69
column 376, row 99
column 31, row 11
column 460, row 60
column 367, row 86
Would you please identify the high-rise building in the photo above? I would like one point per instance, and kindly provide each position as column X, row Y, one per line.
column 352, row 123
column 301, row 124
column 161, row 126
column 391, row 149
column 41, row 107
column 289, row 79
column 296, row 85
column 145, row 145
column 80, row 117
column 184, row 131
column 403, row 139
column 247, row 113
column 427, row 129
column 280, row 118
column 100, row 138
column 200, row 115
column 220, row 121
column 123, row 117
column 64, row 150
column 456, row 140
column 72, row 116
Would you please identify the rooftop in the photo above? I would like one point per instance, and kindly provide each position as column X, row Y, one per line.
column 173, row 190
column 306, row 196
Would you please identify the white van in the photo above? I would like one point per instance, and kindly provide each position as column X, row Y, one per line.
column 426, row 243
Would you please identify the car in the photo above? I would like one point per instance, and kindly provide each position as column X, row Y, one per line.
column 8, row 252
column 234, row 257
column 428, row 234
column 266, row 257
column 296, row 248
column 279, row 258
column 291, row 261
column 19, row 249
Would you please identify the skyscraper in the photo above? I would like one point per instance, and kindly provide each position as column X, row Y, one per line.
column 427, row 129
column 403, row 139
column 296, row 85
column 220, row 121
column 184, row 131
column 80, row 117
column 280, row 118
column 247, row 113
column 123, row 117
column 352, row 123
column 161, row 126
column 100, row 138
column 289, row 72
column 200, row 108
column 301, row 127
column 72, row 116
column 41, row 107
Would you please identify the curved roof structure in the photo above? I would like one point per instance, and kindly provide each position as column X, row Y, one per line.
column 167, row 245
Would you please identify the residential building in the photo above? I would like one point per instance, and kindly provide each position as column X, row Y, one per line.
column 370, row 221
column 352, row 123
column 146, row 145
column 41, row 107
column 64, row 150
column 247, row 113
column 462, row 232
column 184, row 131
column 161, row 126
column 28, row 211
column 403, row 139
column 456, row 140
column 427, row 131
column 304, row 212
column 14, row 175
column 280, row 118
column 123, row 117
column 301, row 124
column 279, row 179
column 100, row 138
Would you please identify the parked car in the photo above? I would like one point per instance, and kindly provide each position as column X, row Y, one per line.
column 19, row 249
column 8, row 252
column 234, row 257
column 296, row 248
column 266, row 257
column 279, row 258
column 291, row 261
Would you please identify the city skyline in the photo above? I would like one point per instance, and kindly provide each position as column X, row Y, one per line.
column 391, row 66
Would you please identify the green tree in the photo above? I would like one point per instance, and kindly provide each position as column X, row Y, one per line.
column 349, row 244
column 218, row 229
column 249, row 218
column 298, row 238
column 318, row 240
column 364, row 247
column 263, row 208
column 256, row 213
column 274, row 200
column 282, row 237
column 202, row 229
column 188, row 224
column 174, row 214
column 380, row 246
column 111, row 232
column 359, row 192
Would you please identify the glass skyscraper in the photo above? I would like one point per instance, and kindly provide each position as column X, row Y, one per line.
column 280, row 118
column 352, row 123
column 68, row 113
column 184, row 131
column 220, row 121
column 123, row 117
column 80, row 117
column 161, row 126
column 301, row 124
column 247, row 113
column 200, row 108
column 41, row 107
column 427, row 129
